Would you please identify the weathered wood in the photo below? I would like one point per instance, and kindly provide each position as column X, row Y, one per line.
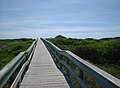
column 19, row 76
column 70, row 69
column 103, row 78
column 42, row 72
column 8, row 70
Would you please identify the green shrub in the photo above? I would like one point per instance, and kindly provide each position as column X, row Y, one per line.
column 10, row 48
column 103, row 52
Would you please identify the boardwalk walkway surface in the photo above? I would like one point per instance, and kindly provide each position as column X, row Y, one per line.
column 42, row 72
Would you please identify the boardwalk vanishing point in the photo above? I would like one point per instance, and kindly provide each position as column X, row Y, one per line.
column 44, row 65
column 42, row 72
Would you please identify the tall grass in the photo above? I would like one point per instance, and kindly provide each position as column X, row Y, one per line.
column 10, row 48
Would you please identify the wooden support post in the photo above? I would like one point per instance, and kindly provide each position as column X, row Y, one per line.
column 80, row 74
column 56, row 58
column 61, row 56
column 67, row 69
column 12, row 79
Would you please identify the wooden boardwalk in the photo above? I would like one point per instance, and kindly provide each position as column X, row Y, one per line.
column 42, row 72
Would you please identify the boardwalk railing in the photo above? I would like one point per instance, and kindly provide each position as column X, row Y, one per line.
column 12, row 73
column 79, row 68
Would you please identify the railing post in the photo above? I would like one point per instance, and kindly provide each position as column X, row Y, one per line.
column 61, row 56
column 67, row 69
column 56, row 58
column 80, row 74
column 12, row 78
column 104, row 79
column 26, row 56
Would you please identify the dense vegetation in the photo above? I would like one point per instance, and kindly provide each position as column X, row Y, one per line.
column 104, row 53
column 9, row 48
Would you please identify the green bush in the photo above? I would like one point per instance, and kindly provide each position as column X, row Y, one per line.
column 10, row 48
column 103, row 52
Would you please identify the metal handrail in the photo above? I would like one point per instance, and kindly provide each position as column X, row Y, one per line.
column 7, row 71
column 103, row 78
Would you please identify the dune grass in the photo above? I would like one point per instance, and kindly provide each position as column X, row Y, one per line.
column 9, row 48
column 103, row 53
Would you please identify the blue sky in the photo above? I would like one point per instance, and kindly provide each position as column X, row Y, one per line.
column 48, row 18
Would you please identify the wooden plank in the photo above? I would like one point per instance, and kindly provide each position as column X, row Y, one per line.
column 103, row 78
column 42, row 72
column 23, row 68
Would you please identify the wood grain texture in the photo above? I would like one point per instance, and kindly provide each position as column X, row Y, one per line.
column 42, row 72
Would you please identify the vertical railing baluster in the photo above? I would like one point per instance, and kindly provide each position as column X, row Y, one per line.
column 57, row 59
column 52, row 53
column 67, row 69
column 80, row 74
column 61, row 57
